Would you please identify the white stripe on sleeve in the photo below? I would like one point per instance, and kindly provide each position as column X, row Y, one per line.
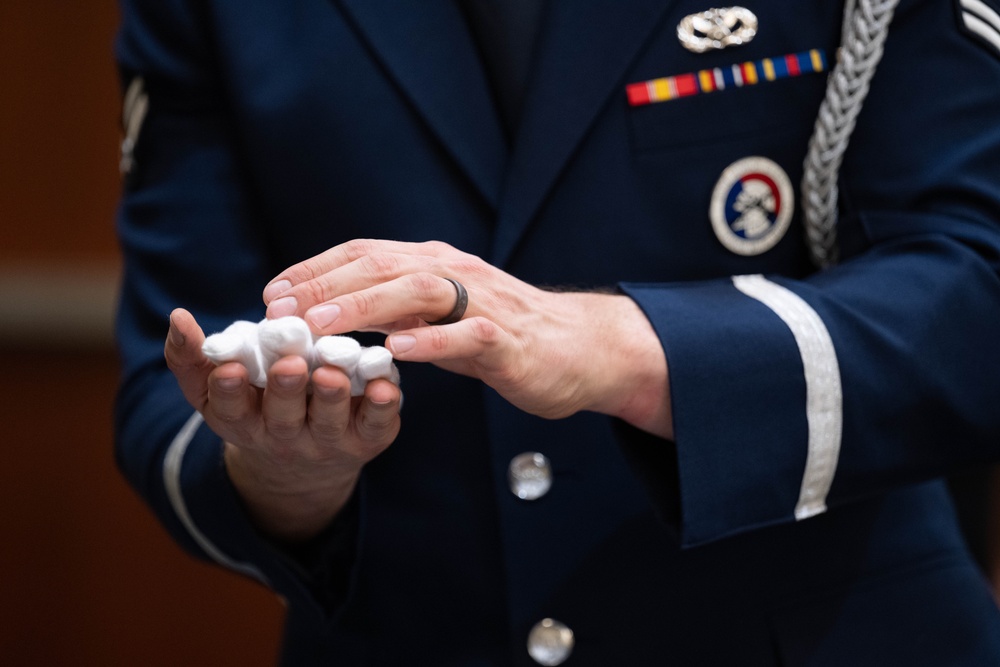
column 172, row 464
column 824, row 398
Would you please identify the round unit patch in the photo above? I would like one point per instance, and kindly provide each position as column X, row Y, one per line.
column 752, row 206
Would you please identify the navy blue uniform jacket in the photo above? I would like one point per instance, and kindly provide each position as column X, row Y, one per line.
column 783, row 526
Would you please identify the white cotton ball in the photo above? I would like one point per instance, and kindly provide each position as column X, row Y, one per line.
column 340, row 351
column 258, row 345
column 375, row 362
column 283, row 337
column 225, row 345
column 361, row 364
column 237, row 342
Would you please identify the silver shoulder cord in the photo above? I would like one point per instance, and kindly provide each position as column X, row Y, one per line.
column 865, row 28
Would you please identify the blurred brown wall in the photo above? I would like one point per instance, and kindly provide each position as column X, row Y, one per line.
column 87, row 577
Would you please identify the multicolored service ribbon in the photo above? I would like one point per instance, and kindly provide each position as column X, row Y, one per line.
column 721, row 78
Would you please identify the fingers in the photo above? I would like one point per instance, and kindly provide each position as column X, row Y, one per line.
column 222, row 394
column 422, row 295
column 182, row 352
column 329, row 420
column 231, row 405
column 283, row 407
column 377, row 421
column 475, row 337
column 330, row 408
column 314, row 267
column 351, row 268
column 283, row 420
column 184, row 339
column 344, row 254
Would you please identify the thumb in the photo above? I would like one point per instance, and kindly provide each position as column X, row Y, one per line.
column 182, row 352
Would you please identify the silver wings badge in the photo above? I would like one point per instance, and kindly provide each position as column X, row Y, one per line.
column 717, row 29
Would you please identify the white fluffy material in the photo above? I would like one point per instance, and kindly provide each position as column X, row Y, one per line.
column 258, row 345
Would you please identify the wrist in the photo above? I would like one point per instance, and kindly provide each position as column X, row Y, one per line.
column 633, row 382
column 289, row 503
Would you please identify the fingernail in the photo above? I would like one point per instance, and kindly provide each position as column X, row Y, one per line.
column 287, row 381
column 283, row 307
column 176, row 337
column 276, row 289
column 380, row 402
column 229, row 384
column 323, row 316
column 402, row 343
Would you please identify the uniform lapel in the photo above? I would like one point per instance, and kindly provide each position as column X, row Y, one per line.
column 582, row 56
column 427, row 48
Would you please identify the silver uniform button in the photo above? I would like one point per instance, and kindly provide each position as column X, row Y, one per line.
column 529, row 475
column 550, row 642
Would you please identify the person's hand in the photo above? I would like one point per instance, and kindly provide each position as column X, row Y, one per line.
column 293, row 458
column 549, row 353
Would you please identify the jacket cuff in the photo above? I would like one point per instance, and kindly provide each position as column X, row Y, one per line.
column 210, row 510
column 742, row 356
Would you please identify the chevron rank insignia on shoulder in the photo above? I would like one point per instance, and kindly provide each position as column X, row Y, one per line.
column 134, row 109
column 981, row 21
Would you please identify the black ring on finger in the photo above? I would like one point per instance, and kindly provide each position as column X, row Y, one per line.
column 461, row 303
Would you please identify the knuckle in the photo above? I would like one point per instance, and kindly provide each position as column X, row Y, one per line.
column 230, row 420
column 357, row 248
column 423, row 286
column 326, row 430
column 230, row 426
column 470, row 265
column 283, row 428
column 314, row 291
column 509, row 375
column 437, row 247
column 438, row 338
column 307, row 273
column 485, row 331
column 365, row 302
column 171, row 360
column 180, row 361
column 377, row 430
column 300, row 273
column 380, row 266
column 231, row 413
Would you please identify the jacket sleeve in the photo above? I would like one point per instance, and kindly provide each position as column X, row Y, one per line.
column 190, row 237
column 791, row 396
